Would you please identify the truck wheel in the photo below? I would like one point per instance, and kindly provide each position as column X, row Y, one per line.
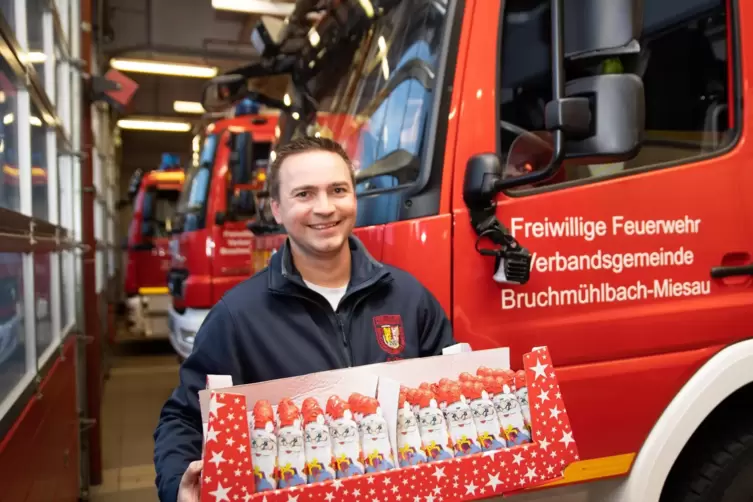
column 721, row 471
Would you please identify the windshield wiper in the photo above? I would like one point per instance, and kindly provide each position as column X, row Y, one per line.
column 400, row 164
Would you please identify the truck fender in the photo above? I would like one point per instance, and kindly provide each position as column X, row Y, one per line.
column 717, row 379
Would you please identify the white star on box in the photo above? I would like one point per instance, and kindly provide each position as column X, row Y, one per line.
column 471, row 489
column 212, row 434
column 221, row 493
column 531, row 473
column 567, row 438
column 439, row 473
column 494, row 481
column 215, row 405
column 539, row 369
column 217, row 459
column 555, row 412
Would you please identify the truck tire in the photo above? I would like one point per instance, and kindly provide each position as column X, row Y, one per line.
column 719, row 471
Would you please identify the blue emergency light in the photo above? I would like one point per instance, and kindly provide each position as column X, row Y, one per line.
column 247, row 107
column 169, row 161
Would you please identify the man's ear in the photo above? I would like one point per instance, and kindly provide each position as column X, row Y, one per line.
column 274, row 204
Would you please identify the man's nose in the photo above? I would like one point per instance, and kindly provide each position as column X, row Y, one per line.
column 323, row 204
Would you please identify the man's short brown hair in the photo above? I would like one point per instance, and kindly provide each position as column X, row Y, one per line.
column 301, row 145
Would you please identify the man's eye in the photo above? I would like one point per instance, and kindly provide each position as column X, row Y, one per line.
column 301, row 194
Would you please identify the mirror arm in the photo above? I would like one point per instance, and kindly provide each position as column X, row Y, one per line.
column 557, row 108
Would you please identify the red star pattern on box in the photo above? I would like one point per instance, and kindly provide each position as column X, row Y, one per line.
column 228, row 475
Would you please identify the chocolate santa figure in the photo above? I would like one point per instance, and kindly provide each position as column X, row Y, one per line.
column 459, row 417
column 485, row 417
column 508, row 410
column 435, row 439
column 346, row 445
column 264, row 446
column 291, row 460
column 408, row 437
column 317, row 442
column 372, row 428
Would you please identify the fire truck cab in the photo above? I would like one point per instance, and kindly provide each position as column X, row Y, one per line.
column 569, row 175
column 211, row 246
column 154, row 195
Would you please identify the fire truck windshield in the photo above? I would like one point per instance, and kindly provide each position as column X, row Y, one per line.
column 158, row 207
column 192, row 201
column 380, row 90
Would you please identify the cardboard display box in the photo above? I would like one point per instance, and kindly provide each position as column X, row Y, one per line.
column 228, row 473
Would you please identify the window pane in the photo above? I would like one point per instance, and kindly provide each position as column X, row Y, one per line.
column 34, row 11
column 39, row 195
column 393, row 98
column 9, row 189
column 6, row 8
column 12, row 351
column 65, row 306
column 42, row 314
column 684, row 62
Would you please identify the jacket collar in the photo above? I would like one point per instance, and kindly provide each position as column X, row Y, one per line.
column 365, row 269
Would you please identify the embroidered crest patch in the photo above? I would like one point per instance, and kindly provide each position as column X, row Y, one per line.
column 389, row 333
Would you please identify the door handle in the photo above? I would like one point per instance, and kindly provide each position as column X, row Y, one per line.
column 731, row 271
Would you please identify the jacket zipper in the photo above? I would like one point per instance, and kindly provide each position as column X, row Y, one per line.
column 348, row 354
column 368, row 287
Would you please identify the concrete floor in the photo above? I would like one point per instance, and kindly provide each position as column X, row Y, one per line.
column 142, row 376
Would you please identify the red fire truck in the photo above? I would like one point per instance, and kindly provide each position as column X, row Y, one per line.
column 154, row 195
column 569, row 175
column 211, row 246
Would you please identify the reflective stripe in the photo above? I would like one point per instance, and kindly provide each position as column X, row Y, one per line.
column 595, row 468
column 154, row 291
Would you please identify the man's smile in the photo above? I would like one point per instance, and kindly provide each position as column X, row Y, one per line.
column 324, row 226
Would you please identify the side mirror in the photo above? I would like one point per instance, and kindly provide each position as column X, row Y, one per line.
column 222, row 91
column 614, row 132
column 258, row 227
column 618, row 111
column 482, row 174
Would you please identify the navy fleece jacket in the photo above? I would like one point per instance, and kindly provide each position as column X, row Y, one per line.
column 273, row 326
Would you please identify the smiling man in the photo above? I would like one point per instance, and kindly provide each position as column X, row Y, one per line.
column 322, row 303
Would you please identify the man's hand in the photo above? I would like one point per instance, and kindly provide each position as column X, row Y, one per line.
column 190, row 484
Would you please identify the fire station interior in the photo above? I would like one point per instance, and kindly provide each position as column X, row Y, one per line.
column 107, row 153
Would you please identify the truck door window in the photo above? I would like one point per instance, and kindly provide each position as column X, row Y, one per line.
column 684, row 62
column 159, row 205
column 193, row 199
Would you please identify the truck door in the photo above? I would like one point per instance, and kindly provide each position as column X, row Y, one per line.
column 159, row 204
column 624, row 256
column 233, row 241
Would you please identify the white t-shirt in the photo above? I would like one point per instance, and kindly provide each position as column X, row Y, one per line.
column 333, row 295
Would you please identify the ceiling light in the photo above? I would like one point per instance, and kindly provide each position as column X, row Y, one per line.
column 255, row 7
column 161, row 68
column 188, row 107
column 154, row 125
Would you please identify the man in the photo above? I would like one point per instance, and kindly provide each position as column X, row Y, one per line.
column 322, row 303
